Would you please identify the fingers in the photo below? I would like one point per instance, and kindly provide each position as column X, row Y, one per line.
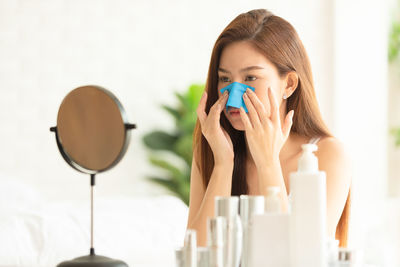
column 254, row 117
column 245, row 119
column 288, row 123
column 219, row 105
column 215, row 109
column 223, row 99
column 274, row 107
column 258, row 106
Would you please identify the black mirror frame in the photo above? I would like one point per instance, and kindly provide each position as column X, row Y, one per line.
column 121, row 154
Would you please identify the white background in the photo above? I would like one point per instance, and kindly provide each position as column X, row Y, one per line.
column 143, row 51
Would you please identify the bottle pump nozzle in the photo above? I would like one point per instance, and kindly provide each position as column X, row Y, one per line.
column 308, row 162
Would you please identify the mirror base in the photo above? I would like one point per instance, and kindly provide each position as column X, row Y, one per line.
column 93, row 261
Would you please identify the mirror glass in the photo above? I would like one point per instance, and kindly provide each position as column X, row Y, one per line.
column 92, row 132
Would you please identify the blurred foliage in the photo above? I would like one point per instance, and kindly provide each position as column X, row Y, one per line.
column 394, row 51
column 394, row 41
column 177, row 143
column 396, row 133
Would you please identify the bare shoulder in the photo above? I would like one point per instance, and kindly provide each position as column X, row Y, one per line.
column 331, row 147
column 332, row 155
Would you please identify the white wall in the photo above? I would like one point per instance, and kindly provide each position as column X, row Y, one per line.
column 360, row 113
column 140, row 50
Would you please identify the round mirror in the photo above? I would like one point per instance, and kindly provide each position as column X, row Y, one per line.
column 92, row 134
column 92, row 130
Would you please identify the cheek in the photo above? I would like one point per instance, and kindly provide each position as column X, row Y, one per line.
column 262, row 93
column 263, row 97
column 219, row 91
column 221, row 85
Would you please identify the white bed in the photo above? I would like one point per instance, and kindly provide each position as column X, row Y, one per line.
column 142, row 231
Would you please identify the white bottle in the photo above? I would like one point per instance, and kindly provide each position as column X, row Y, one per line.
column 203, row 257
column 269, row 236
column 180, row 257
column 249, row 206
column 216, row 230
column 228, row 207
column 190, row 248
column 308, row 212
column 332, row 251
column 272, row 200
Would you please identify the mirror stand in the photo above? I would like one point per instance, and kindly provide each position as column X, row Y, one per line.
column 92, row 260
column 92, row 135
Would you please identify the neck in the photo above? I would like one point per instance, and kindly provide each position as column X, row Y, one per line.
column 288, row 149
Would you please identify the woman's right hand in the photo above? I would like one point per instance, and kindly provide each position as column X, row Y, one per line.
column 218, row 139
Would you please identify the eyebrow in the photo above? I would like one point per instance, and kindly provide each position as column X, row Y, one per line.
column 242, row 70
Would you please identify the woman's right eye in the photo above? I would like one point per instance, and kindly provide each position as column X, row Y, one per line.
column 224, row 79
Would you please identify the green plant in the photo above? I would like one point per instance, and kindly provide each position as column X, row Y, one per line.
column 394, row 41
column 396, row 134
column 177, row 143
column 394, row 51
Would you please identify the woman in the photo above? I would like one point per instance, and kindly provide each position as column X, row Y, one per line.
column 243, row 153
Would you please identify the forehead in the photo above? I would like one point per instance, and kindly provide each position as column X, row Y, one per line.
column 242, row 54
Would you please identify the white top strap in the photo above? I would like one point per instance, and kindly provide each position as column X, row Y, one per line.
column 314, row 140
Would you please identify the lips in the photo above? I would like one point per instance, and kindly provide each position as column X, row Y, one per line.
column 234, row 111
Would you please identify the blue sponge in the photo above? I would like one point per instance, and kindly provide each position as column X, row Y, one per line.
column 236, row 91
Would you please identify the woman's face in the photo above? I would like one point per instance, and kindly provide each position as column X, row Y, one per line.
column 241, row 62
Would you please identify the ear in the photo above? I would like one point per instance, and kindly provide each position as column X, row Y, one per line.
column 291, row 82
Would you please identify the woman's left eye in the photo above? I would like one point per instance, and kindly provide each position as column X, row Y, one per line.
column 250, row 78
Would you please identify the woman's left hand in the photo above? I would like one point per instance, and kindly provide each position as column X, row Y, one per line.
column 264, row 132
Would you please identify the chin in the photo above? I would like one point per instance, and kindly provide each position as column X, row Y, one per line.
column 241, row 128
column 237, row 124
column 235, row 121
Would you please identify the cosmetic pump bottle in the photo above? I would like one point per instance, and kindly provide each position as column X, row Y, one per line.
column 308, row 212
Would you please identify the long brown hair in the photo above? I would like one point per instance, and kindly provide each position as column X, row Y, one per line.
column 279, row 42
